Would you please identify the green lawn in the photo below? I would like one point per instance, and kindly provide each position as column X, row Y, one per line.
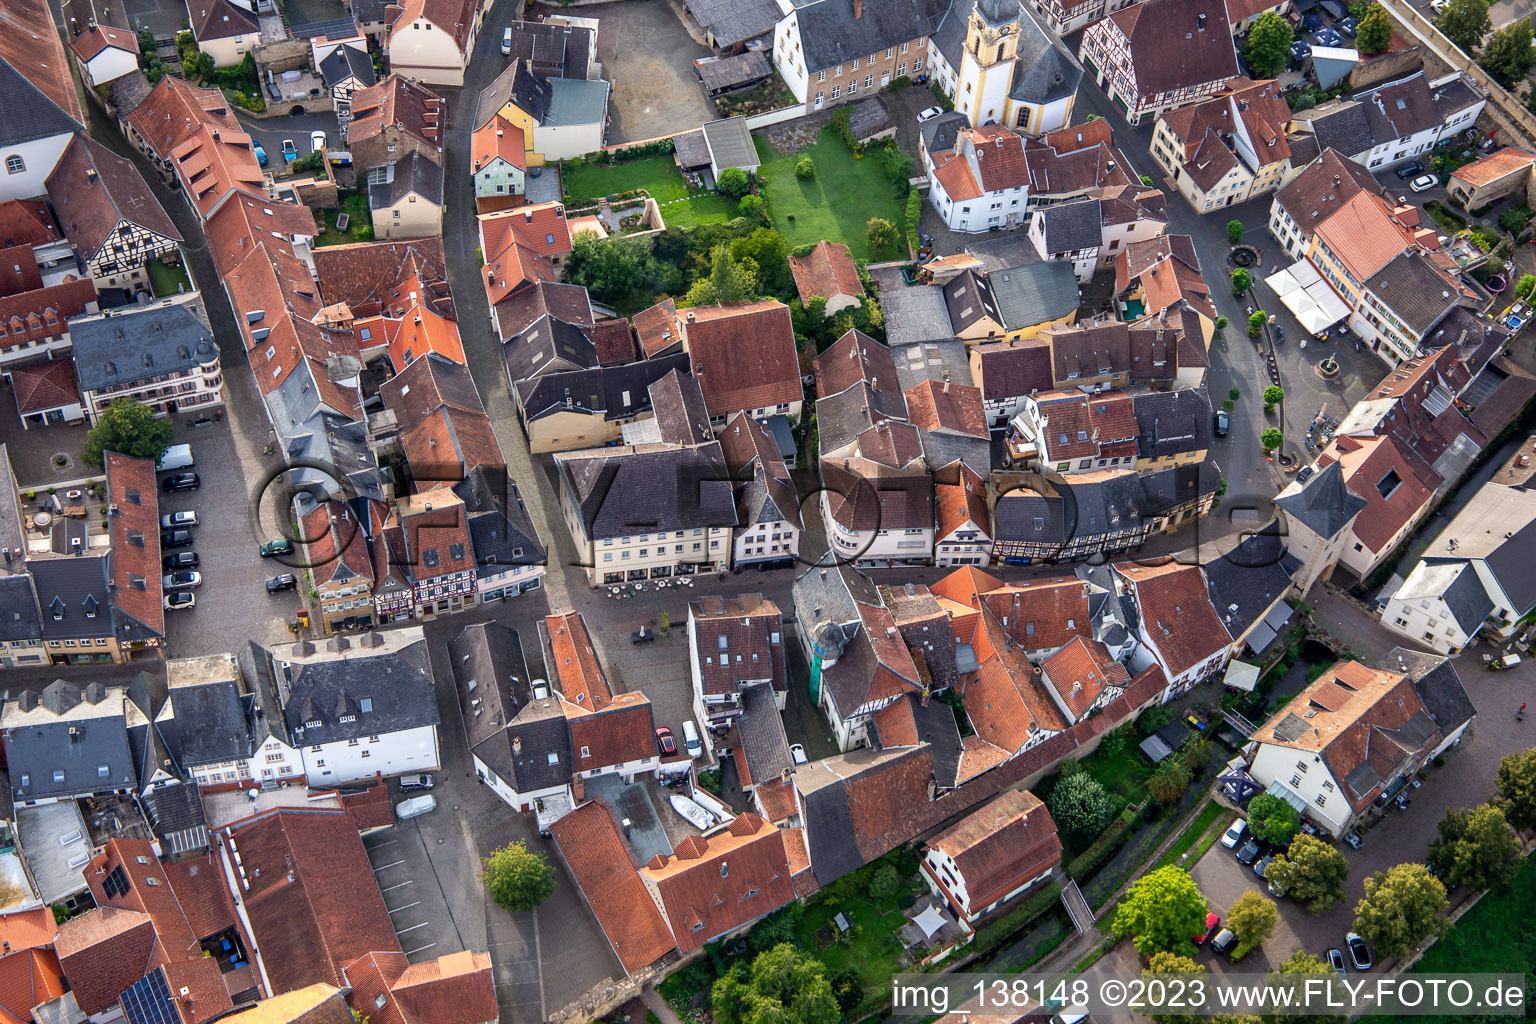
column 1198, row 837
column 165, row 279
column 1493, row 937
column 1124, row 773
column 359, row 224
column 837, row 203
column 874, row 952
column 659, row 176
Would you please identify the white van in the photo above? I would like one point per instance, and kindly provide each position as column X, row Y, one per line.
column 177, row 456
column 691, row 738
column 506, row 41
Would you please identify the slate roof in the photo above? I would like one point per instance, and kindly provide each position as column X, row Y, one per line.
column 489, row 667
column 1171, row 422
column 1038, row 293
column 500, row 529
column 1322, row 502
column 1456, row 585
column 575, row 103
column 346, row 62
column 209, row 723
column 831, row 33
column 120, row 347
column 734, row 21
column 1247, row 581
column 35, row 77
column 1071, row 226
column 1415, row 289
column 1045, row 71
column 413, row 173
column 764, row 745
column 380, row 692
column 517, row 85
column 621, row 492
column 1438, row 685
column 56, row 741
column 601, row 390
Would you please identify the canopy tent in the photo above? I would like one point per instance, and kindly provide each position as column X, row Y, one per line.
column 1242, row 676
column 930, row 921
column 1310, row 299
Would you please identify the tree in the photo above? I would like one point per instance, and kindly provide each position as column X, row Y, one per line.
column 1081, row 808
column 1221, row 323
column 1465, row 22
column 128, row 427
column 1163, row 911
column 1252, row 919
column 847, row 988
column 1274, row 394
column 734, row 183
column 782, row 986
column 1476, row 848
column 1256, row 321
column 1507, row 55
column 1241, row 281
column 1168, row 964
column 1516, row 780
column 1269, row 43
column 516, row 877
column 1374, row 33
column 1272, row 819
column 752, row 207
column 729, row 281
column 805, row 169
column 615, row 272
column 1525, row 286
column 1312, row 871
column 1402, row 907
column 885, row 882
column 1169, row 780
column 1271, row 439
column 1234, row 231
column 1196, row 755
column 880, row 233
column 777, row 927
column 1291, row 976
column 770, row 251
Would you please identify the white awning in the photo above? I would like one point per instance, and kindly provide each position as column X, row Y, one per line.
column 1310, row 299
column 1242, row 676
column 930, row 921
column 1281, row 282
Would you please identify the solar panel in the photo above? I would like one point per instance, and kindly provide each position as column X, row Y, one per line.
column 148, row 1001
column 116, row 883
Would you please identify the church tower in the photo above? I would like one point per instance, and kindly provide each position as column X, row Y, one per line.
column 986, row 72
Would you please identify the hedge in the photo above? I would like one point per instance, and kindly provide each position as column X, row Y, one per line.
column 1106, row 844
column 914, row 216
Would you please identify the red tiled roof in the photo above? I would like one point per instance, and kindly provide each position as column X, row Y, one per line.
column 1166, row 50
column 246, row 221
column 1042, row 613
column 202, row 893
column 657, row 328
column 951, row 408
column 1005, row 700
column 30, row 44
column 366, row 275
column 540, row 227
column 613, row 342
column 1079, row 673
column 135, row 567
column 826, row 271
column 715, row 885
column 455, row 17
column 1488, row 169
column 174, row 109
column 25, row 223
column 104, row 951
column 210, row 168
column 148, row 891
column 1176, row 612
column 735, row 638
column 28, row 929
column 500, row 139
column 28, row 978
column 577, row 670
column 453, row 989
column 1364, row 234
column 336, row 549
column 1369, row 464
column 744, row 357
column 93, row 190
column 954, row 174
column 623, row 731
column 592, row 849
column 852, row 358
column 313, row 904
column 220, row 19
column 1001, row 846
column 959, row 500
column 400, row 103
column 93, row 40
column 777, row 799
column 43, row 386
column 199, row 989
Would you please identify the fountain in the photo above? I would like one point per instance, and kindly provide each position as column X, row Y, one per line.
column 1328, row 369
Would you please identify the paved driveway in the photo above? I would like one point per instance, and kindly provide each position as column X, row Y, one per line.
column 405, row 869
column 648, row 56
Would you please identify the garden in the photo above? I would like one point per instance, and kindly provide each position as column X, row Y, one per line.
column 167, row 278
column 837, row 201
column 586, row 182
column 359, row 221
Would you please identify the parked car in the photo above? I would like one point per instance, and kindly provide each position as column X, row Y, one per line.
column 178, row 599
column 691, row 738
column 1261, row 866
column 929, row 113
column 1424, row 182
column 1359, row 951
column 1354, row 840
column 1211, row 921
column 1234, row 834
column 179, row 560
column 317, row 141
column 797, row 754
column 1276, row 890
column 174, row 520
column 1223, row 422
column 180, row 482
column 290, row 151
column 1439, row 6
column 275, row 547
column 410, row 782
column 415, row 806
column 506, row 41
column 664, row 742
column 1224, row 941
column 1411, row 169
column 281, row 582
column 181, row 580
column 261, row 154
column 1336, row 961
column 175, row 538
column 1249, row 852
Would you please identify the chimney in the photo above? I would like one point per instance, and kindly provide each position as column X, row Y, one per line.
column 1200, row 21
column 858, row 8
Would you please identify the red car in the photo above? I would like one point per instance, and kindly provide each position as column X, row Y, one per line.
column 1211, row 921
column 664, row 741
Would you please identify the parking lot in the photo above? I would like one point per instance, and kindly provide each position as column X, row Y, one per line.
column 414, row 897
column 232, row 603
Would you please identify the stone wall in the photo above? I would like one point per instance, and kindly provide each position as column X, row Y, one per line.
column 1396, row 64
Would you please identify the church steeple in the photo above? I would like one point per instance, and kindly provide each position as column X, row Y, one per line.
column 992, row 32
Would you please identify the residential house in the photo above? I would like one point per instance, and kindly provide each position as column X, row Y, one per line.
column 43, row 111
column 951, row 427
column 346, row 68
column 1065, row 17
column 1351, row 739
column 828, row 51
column 574, row 409
column 1393, row 121
column 313, row 1004
column 359, row 708
column 1128, row 213
column 429, row 542
column 1013, row 304
column 992, row 855
column 104, row 54
column 1155, row 56
column 172, row 113
column 1007, row 373
column 21, row 624
column 1174, row 427
column 1177, row 623
column 1439, row 686
column 340, row 569
column 744, row 359
column 859, row 674
column 523, row 249
column 769, row 524
column 1083, row 677
column 216, row 729
column 982, row 182
column 405, row 198
column 431, row 40
column 214, row 164
column 877, row 502
column 456, row 988
column 560, row 118
column 41, row 291
column 162, row 355
column 1005, row 701
column 65, row 742
column 499, row 163
column 1228, row 148
column 1155, row 276
column 1070, row 233
column 224, row 31
column 394, row 118
column 1248, row 585
column 733, row 643
column 1060, row 432
column 1321, row 188
column 827, row 272
column 1489, row 178
column 110, row 217
column 963, row 531
column 519, row 741
column 509, row 557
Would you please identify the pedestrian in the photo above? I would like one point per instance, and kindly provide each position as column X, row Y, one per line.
column 1521, row 711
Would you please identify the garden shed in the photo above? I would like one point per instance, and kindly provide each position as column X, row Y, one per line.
column 730, row 145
